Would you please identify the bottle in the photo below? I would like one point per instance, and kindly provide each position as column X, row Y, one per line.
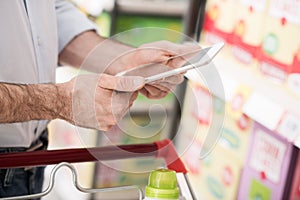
column 162, row 185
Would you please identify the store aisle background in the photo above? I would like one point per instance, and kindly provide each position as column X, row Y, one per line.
column 258, row 152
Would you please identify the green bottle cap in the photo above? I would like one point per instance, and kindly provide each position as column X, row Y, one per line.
column 162, row 184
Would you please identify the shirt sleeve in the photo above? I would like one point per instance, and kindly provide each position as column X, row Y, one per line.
column 70, row 23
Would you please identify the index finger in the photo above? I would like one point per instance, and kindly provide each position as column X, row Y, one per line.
column 121, row 83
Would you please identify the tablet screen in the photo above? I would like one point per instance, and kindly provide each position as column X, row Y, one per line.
column 202, row 58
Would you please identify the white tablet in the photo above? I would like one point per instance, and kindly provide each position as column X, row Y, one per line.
column 201, row 58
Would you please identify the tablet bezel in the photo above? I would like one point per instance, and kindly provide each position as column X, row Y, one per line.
column 206, row 59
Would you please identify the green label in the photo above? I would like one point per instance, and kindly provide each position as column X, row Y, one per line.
column 270, row 44
column 258, row 191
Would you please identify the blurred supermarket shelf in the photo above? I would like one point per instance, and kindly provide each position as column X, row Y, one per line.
column 153, row 7
column 270, row 103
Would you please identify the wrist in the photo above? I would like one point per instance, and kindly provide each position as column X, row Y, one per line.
column 63, row 105
column 49, row 101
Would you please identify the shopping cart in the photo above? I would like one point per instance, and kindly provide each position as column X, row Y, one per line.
column 160, row 149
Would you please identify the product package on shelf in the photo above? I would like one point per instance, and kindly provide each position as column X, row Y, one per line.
column 268, row 166
column 219, row 21
column 215, row 175
column 279, row 52
column 237, row 126
column 189, row 124
column 202, row 117
column 247, row 34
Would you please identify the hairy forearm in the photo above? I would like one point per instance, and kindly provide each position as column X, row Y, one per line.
column 22, row 102
column 93, row 53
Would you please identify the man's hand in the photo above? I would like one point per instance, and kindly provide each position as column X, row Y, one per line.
column 100, row 101
column 92, row 101
column 164, row 55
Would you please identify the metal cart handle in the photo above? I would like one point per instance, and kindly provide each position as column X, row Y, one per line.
column 76, row 184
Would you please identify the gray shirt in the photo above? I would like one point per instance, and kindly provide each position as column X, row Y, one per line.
column 32, row 34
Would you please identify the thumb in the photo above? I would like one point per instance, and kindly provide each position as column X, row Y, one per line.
column 121, row 83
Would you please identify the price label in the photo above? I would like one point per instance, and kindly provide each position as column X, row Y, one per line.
column 268, row 155
column 263, row 110
column 289, row 127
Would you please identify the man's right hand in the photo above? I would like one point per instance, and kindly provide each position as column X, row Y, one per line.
column 99, row 101
column 91, row 101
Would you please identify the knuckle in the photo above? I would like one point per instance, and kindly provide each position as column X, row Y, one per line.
column 106, row 127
